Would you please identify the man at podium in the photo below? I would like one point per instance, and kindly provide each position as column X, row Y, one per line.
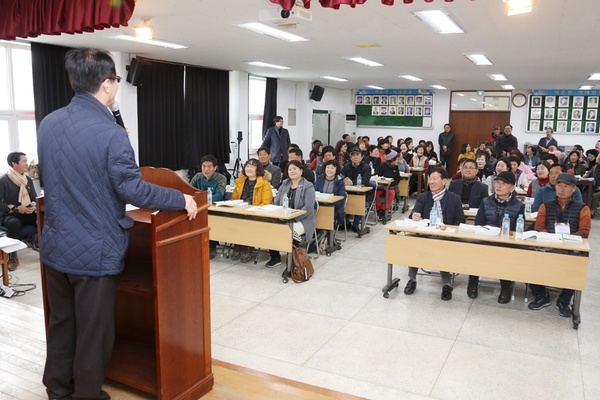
column 89, row 174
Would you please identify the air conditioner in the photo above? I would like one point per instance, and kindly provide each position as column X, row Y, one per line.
column 278, row 16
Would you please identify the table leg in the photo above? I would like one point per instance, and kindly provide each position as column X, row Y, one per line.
column 576, row 306
column 392, row 283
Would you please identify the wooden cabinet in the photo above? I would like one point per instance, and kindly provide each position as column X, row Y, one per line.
column 162, row 320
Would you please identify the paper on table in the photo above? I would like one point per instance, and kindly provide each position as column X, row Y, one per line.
column 323, row 195
column 9, row 245
column 466, row 227
column 543, row 236
column 265, row 208
column 435, row 229
column 412, row 223
column 487, row 230
column 230, row 203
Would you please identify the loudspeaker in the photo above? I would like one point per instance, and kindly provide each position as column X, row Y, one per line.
column 316, row 93
column 139, row 72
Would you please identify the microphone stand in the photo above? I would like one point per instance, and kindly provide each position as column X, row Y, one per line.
column 238, row 161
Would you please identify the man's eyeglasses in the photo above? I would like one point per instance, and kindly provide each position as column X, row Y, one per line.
column 117, row 78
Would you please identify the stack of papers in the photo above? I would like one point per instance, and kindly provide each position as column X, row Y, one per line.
column 9, row 245
column 407, row 222
column 543, row 236
column 230, row 203
column 266, row 208
column 320, row 195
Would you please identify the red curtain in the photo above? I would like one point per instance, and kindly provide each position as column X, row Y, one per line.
column 335, row 4
column 31, row 18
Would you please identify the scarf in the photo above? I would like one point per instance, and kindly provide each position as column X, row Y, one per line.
column 21, row 181
column 437, row 202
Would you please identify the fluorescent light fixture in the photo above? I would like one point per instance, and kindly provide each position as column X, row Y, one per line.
column 334, row 78
column 508, row 87
column 440, row 87
column 497, row 77
column 152, row 42
column 586, row 87
column 594, row 77
column 266, row 65
column 364, row 61
column 478, row 59
column 519, row 6
column 472, row 99
column 411, row 78
column 440, row 21
column 375, row 87
column 460, row 94
column 273, row 32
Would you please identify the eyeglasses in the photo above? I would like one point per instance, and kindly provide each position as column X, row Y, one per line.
column 117, row 78
column 471, row 167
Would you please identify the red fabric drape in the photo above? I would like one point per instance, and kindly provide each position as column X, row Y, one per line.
column 335, row 4
column 31, row 18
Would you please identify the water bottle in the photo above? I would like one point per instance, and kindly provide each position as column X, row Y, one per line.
column 520, row 227
column 372, row 169
column 527, row 206
column 440, row 218
column 505, row 227
column 530, row 163
column 286, row 203
column 433, row 215
column 359, row 180
column 209, row 196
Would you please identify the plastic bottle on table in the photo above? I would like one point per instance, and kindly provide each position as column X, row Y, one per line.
column 520, row 227
column 359, row 181
column 285, row 205
column 505, row 227
column 433, row 216
column 209, row 196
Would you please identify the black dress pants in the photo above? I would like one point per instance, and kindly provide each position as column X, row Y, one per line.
column 80, row 334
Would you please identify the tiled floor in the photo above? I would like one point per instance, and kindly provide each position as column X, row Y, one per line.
column 337, row 330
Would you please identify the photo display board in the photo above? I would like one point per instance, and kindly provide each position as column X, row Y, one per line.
column 396, row 108
column 565, row 111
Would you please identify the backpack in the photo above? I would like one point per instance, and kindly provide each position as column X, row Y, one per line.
column 302, row 268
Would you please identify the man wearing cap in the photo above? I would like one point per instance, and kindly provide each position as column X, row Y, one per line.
column 351, row 171
column 563, row 214
column 491, row 212
column 388, row 169
column 546, row 141
column 451, row 214
column 548, row 192
column 494, row 135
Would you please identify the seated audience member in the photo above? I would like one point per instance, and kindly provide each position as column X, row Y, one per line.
column 351, row 171
column 451, row 214
column 362, row 145
column 264, row 156
column 522, row 166
column 419, row 159
column 592, row 155
column 296, row 154
column 552, row 149
column 341, row 152
column 301, row 196
column 430, row 153
column 491, row 212
column 373, row 159
column 470, row 190
column 489, row 149
column 520, row 176
column 548, row 192
column 483, row 168
column 542, row 171
column 547, row 141
column 550, row 158
column 331, row 182
column 388, row 169
column 367, row 141
column 382, row 145
column 404, row 153
column 562, row 214
column 573, row 164
column 17, row 201
column 595, row 173
column 317, row 148
column 458, row 174
column 399, row 142
column 252, row 187
column 531, row 158
column 209, row 178
column 318, row 165
column 503, row 164
column 582, row 157
column 466, row 152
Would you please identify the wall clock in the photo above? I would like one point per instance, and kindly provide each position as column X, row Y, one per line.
column 519, row 100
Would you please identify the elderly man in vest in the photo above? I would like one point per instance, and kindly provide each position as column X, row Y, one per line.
column 564, row 214
column 491, row 211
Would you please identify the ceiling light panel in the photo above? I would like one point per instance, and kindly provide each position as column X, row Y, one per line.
column 497, row 77
column 364, row 61
column 266, row 65
column 440, row 21
column 478, row 59
column 411, row 78
column 375, row 87
column 273, row 32
column 508, row 87
column 152, row 42
column 594, row 77
column 440, row 87
column 334, row 78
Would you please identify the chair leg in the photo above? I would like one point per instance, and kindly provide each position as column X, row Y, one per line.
column 256, row 256
column 345, row 233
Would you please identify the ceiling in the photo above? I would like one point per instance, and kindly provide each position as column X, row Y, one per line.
column 554, row 47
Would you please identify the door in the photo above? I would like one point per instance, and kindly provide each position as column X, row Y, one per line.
column 473, row 127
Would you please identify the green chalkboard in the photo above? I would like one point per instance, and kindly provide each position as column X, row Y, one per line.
column 364, row 117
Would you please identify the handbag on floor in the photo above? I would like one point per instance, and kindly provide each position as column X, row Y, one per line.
column 302, row 268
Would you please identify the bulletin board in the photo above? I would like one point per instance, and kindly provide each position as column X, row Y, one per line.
column 565, row 111
column 395, row 108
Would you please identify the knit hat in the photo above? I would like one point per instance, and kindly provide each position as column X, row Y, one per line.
column 391, row 155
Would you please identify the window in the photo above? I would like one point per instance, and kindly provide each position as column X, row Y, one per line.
column 17, row 118
column 257, row 88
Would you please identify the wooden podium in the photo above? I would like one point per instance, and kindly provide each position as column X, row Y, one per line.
column 162, row 318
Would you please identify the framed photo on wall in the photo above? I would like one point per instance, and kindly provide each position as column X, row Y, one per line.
column 392, row 110
column 401, row 100
column 375, row 110
column 576, row 127
column 592, row 102
column 549, row 101
column 578, row 101
column 367, row 100
column 358, row 100
column 428, row 100
column 576, row 114
column 549, row 113
column 427, row 111
column 392, row 100
column 418, row 100
column 376, row 100
column 418, row 111
column 536, row 101
column 548, row 124
column 409, row 111
column 590, row 127
column 410, row 100
column 563, row 101
column 563, row 113
column 383, row 110
column 591, row 114
column 400, row 111
column 384, row 100
column 536, row 113
column 534, row 125
column 561, row 126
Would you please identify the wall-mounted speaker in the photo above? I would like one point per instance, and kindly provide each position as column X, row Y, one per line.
column 139, row 72
column 316, row 93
